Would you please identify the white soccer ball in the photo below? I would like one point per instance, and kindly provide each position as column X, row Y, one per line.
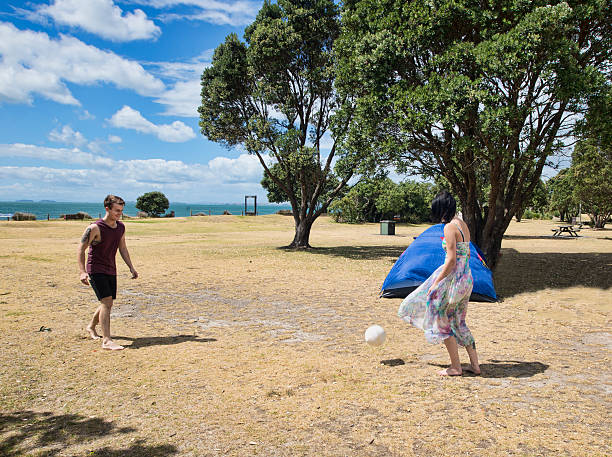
column 375, row 335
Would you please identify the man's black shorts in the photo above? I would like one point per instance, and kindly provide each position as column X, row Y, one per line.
column 103, row 285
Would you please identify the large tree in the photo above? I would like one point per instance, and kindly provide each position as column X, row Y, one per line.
column 274, row 95
column 482, row 93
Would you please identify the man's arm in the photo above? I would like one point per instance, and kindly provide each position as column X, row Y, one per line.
column 125, row 255
column 90, row 233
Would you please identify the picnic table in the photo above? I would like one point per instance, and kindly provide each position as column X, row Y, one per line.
column 561, row 230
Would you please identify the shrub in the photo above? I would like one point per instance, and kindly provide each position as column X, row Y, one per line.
column 80, row 216
column 23, row 217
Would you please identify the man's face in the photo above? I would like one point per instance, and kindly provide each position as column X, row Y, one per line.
column 115, row 211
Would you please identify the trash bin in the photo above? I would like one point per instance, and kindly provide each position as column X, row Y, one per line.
column 387, row 227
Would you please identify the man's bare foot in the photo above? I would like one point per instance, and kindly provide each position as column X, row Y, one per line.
column 449, row 372
column 111, row 346
column 92, row 332
column 472, row 370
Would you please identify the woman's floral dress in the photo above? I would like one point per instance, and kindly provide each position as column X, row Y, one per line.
column 442, row 314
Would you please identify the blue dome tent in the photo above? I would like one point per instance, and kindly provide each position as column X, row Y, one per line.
column 421, row 259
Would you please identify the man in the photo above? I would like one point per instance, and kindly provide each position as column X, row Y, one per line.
column 104, row 237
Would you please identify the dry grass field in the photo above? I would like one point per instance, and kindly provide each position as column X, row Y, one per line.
column 235, row 347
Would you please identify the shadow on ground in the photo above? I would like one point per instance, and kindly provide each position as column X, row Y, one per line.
column 506, row 369
column 361, row 252
column 162, row 340
column 46, row 434
column 393, row 362
column 539, row 237
column 519, row 272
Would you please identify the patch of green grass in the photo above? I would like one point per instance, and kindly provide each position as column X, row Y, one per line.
column 17, row 313
column 37, row 259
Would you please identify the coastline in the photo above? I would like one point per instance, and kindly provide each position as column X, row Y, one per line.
column 44, row 210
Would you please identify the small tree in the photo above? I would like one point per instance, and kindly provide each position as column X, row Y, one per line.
column 153, row 203
column 539, row 201
column 592, row 175
column 359, row 203
column 410, row 200
column 562, row 198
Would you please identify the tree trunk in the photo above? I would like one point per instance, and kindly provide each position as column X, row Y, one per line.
column 491, row 245
column 599, row 220
column 302, row 232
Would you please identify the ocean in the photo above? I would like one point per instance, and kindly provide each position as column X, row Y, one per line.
column 53, row 210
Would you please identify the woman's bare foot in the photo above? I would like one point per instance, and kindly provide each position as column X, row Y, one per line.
column 92, row 332
column 450, row 372
column 111, row 346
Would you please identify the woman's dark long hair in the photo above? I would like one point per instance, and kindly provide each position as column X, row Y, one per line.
column 443, row 207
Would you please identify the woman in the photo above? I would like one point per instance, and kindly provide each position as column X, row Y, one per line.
column 438, row 306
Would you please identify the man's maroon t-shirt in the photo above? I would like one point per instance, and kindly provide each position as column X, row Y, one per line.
column 101, row 257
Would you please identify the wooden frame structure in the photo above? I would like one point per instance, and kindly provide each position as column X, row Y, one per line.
column 250, row 213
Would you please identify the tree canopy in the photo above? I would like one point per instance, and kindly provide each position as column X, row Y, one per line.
column 153, row 203
column 274, row 95
column 375, row 199
column 482, row 93
column 592, row 175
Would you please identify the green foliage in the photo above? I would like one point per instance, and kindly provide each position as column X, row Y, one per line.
column 562, row 197
column 19, row 216
column 277, row 195
column 377, row 199
column 154, row 203
column 482, row 93
column 537, row 206
column 592, row 174
column 274, row 95
column 359, row 203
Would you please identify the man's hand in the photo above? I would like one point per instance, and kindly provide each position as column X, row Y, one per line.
column 134, row 273
column 84, row 279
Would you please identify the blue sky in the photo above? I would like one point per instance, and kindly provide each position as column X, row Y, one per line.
column 100, row 96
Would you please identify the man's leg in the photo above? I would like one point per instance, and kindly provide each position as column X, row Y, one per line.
column 106, row 305
column 95, row 320
column 453, row 352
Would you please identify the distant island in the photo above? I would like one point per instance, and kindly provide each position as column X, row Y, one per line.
column 44, row 201
column 25, row 201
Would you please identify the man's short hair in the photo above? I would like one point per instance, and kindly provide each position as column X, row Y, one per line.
column 110, row 199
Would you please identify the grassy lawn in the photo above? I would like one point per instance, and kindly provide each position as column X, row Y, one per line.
column 235, row 347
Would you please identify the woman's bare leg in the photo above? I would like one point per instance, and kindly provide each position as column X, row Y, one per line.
column 475, row 367
column 453, row 353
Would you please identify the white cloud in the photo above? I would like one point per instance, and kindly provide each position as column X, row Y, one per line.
column 63, row 155
column 221, row 178
column 85, row 115
column 182, row 100
column 129, row 118
column 32, row 63
column 183, row 71
column 67, row 136
column 236, row 13
column 241, row 169
column 103, row 18
column 114, row 139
